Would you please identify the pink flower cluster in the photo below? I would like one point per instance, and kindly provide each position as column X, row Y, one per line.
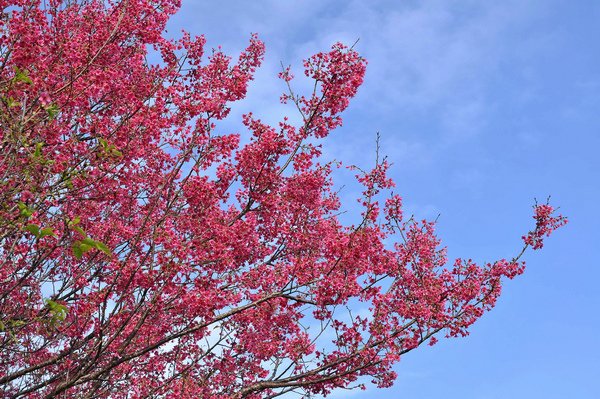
column 545, row 223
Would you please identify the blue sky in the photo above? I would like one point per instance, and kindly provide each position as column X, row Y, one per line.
column 482, row 106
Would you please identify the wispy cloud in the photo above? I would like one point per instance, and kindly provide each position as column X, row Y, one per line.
column 435, row 59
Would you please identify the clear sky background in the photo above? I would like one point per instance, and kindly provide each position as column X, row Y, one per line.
column 482, row 106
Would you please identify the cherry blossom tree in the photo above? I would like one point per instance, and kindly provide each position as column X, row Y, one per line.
column 147, row 254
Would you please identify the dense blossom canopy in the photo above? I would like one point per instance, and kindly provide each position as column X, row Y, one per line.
column 146, row 254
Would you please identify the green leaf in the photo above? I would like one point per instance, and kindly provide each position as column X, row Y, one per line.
column 69, row 183
column 57, row 310
column 22, row 76
column 116, row 153
column 17, row 323
column 79, row 230
column 38, row 150
column 25, row 210
column 85, row 247
column 102, row 247
column 11, row 102
column 75, row 221
column 52, row 111
column 47, row 231
column 33, row 229
column 96, row 244
column 77, row 251
column 89, row 241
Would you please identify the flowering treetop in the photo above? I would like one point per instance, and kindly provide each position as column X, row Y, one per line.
column 146, row 254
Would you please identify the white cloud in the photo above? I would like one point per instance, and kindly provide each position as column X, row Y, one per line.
column 437, row 60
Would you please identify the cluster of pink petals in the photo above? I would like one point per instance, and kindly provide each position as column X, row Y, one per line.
column 545, row 223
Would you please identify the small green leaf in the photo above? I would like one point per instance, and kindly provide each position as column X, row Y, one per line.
column 11, row 102
column 22, row 76
column 89, row 241
column 38, row 150
column 115, row 152
column 25, row 210
column 75, row 221
column 47, row 231
column 33, row 229
column 77, row 251
column 85, row 247
column 79, row 230
column 95, row 244
column 57, row 310
column 52, row 111
column 102, row 247
column 69, row 183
